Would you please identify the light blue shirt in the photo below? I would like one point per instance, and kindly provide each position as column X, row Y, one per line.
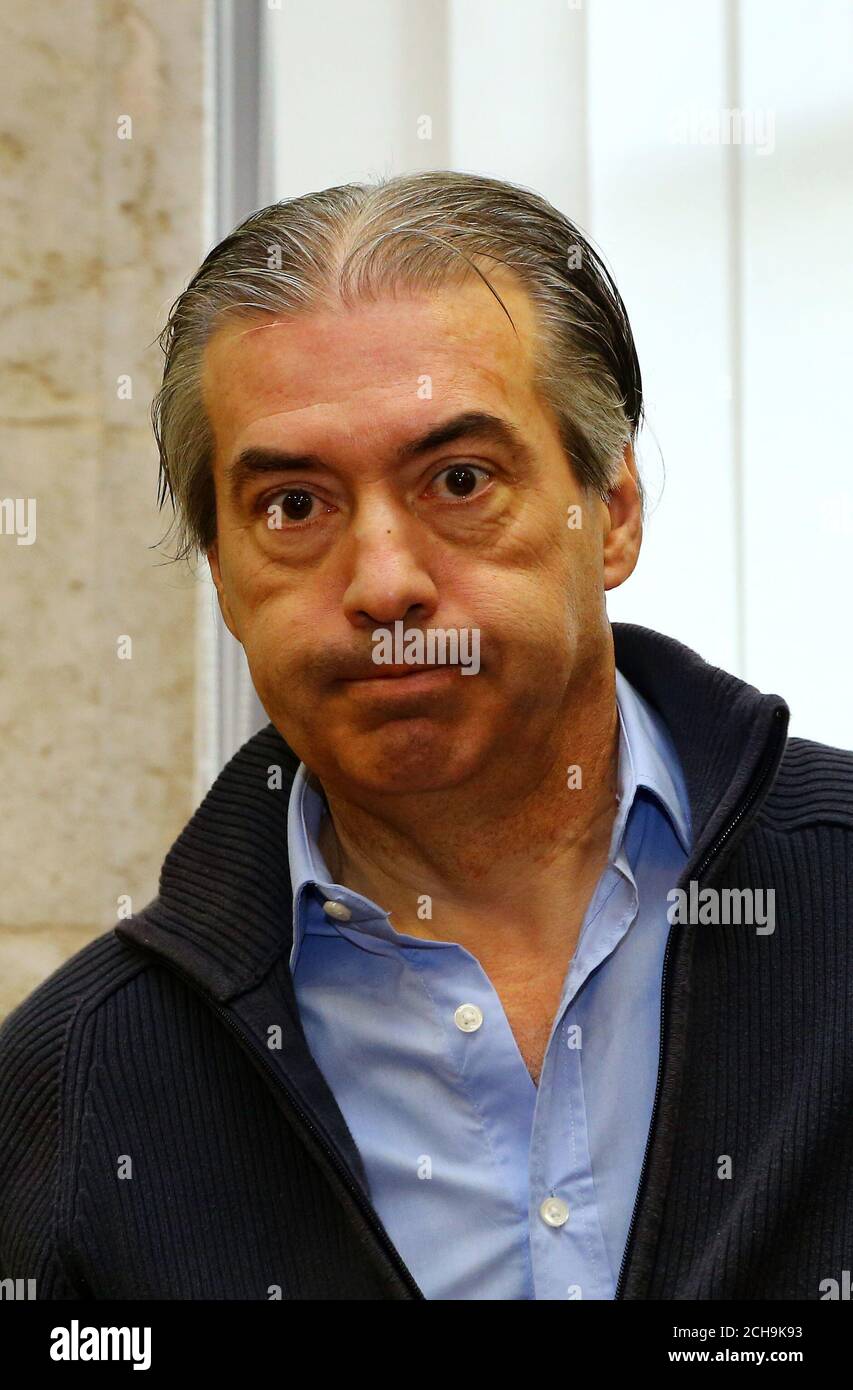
column 490, row 1187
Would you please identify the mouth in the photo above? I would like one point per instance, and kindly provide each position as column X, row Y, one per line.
column 408, row 678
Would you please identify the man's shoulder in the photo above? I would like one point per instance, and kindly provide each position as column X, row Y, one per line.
column 813, row 786
column 34, row 1035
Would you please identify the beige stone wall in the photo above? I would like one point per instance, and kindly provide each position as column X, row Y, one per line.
column 98, row 235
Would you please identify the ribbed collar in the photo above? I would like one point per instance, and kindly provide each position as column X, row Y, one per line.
column 223, row 914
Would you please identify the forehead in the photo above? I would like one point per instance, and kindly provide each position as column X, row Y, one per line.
column 372, row 359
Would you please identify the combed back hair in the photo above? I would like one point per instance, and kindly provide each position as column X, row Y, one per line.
column 358, row 242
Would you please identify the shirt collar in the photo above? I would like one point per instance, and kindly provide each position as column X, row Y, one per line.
column 308, row 868
column 647, row 758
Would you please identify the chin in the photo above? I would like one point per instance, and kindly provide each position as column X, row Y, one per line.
column 411, row 756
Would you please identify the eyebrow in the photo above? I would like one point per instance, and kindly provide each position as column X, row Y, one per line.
column 258, row 460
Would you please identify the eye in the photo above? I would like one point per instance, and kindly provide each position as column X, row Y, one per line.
column 461, row 481
column 292, row 508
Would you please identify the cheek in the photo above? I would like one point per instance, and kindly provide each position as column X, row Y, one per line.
column 281, row 632
column 550, row 575
column 542, row 618
column 539, row 545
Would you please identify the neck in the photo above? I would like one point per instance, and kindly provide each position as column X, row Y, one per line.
column 521, row 864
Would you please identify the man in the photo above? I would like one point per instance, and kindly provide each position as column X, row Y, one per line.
column 509, row 960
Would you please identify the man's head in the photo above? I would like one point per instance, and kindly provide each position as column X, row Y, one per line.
column 414, row 402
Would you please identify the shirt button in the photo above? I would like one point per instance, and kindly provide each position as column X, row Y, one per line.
column 554, row 1211
column 338, row 910
column 468, row 1018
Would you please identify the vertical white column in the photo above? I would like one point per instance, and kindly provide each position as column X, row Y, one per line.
column 518, row 95
column 660, row 208
column 798, row 359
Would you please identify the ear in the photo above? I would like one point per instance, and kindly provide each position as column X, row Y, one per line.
column 624, row 534
column 216, row 573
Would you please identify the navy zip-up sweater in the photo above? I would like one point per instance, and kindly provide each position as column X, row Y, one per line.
column 154, row 1145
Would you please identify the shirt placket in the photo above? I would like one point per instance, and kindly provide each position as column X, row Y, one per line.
column 489, row 1068
column 568, row 1253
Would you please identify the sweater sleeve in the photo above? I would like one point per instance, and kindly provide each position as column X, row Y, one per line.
column 31, row 1068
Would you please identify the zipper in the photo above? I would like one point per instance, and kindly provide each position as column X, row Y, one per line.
column 354, row 1189
column 767, row 762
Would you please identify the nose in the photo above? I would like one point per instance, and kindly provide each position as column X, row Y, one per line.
column 389, row 576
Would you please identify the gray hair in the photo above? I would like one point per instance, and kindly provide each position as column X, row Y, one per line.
column 358, row 241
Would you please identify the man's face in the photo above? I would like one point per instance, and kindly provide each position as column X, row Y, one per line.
column 371, row 526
